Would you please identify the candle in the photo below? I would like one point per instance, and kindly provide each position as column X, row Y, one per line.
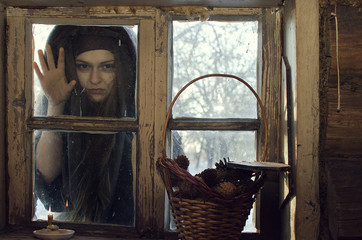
column 50, row 217
column 66, row 206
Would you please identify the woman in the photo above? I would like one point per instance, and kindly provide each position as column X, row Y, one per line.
column 87, row 71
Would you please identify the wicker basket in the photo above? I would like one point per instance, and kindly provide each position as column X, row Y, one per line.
column 211, row 216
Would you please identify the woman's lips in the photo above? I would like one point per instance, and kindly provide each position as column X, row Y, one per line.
column 96, row 91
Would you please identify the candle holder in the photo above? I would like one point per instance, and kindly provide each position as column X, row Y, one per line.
column 58, row 234
column 52, row 231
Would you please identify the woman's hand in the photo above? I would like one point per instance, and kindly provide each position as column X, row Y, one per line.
column 53, row 80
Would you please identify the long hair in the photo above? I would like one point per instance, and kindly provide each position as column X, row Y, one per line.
column 88, row 174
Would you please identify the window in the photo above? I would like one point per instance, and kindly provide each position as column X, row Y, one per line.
column 155, row 63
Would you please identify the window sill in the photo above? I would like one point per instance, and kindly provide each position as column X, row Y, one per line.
column 25, row 233
column 29, row 235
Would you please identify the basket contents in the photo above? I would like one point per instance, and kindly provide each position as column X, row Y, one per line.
column 213, row 204
column 225, row 183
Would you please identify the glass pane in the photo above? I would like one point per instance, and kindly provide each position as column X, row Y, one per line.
column 205, row 148
column 202, row 48
column 84, row 177
column 99, row 74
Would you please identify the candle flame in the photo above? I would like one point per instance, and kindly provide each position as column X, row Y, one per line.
column 50, row 208
column 66, row 203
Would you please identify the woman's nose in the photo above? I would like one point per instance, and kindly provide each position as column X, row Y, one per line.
column 95, row 77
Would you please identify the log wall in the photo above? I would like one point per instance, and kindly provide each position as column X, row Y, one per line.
column 341, row 139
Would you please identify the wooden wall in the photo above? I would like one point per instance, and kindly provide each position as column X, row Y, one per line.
column 306, row 119
column 341, row 131
column 2, row 123
column 300, row 47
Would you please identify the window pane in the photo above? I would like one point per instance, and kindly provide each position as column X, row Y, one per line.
column 205, row 148
column 100, row 60
column 202, row 48
column 85, row 177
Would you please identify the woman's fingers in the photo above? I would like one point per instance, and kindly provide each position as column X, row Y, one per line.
column 61, row 59
column 50, row 64
column 42, row 62
column 37, row 71
column 52, row 76
column 71, row 85
column 50, row 57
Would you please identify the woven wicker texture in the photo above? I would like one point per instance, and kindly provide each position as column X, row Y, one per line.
column 197, row 219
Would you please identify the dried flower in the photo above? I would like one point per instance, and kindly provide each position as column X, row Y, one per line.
column 182, row 161
column 188, row 190
column 209, row 176
column 226, row 189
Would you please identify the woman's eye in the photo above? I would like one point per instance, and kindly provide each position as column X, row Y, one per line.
column 82, row 67
column 107, row 67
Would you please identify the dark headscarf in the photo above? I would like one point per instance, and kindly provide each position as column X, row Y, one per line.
column 98, row 171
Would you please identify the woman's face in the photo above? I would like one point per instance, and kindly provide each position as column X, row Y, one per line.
column 96, row 73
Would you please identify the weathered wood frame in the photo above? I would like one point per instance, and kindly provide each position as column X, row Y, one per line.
column 153, row 89
column 21, row 123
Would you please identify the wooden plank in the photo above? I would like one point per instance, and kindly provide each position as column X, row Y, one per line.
column 270, row 94
column 307, row 209
column 82, row 231
column 2, row 122
column 19, row 164
column 68, row 15
column 162, row 72
column 72, row 14
column 342, row 147
column 145, row 139
column 345, row 127
column 349, row 44
column 214, row 124
column 345, row 196
column 259, row 166
column 157, row 3
column 350, row 229
column 82, row 124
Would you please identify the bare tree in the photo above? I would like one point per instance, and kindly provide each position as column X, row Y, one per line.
column 215, row 47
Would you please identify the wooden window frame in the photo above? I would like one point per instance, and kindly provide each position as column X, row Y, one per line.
column 153, row 91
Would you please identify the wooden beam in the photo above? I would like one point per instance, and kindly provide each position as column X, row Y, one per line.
column 80, row 124
column 19, row 168
column 2, row 122
column 145, row 137
column 214, row 124
column 157, row 3
column 307, row 119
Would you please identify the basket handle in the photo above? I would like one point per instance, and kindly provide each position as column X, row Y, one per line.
column 216, row 75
